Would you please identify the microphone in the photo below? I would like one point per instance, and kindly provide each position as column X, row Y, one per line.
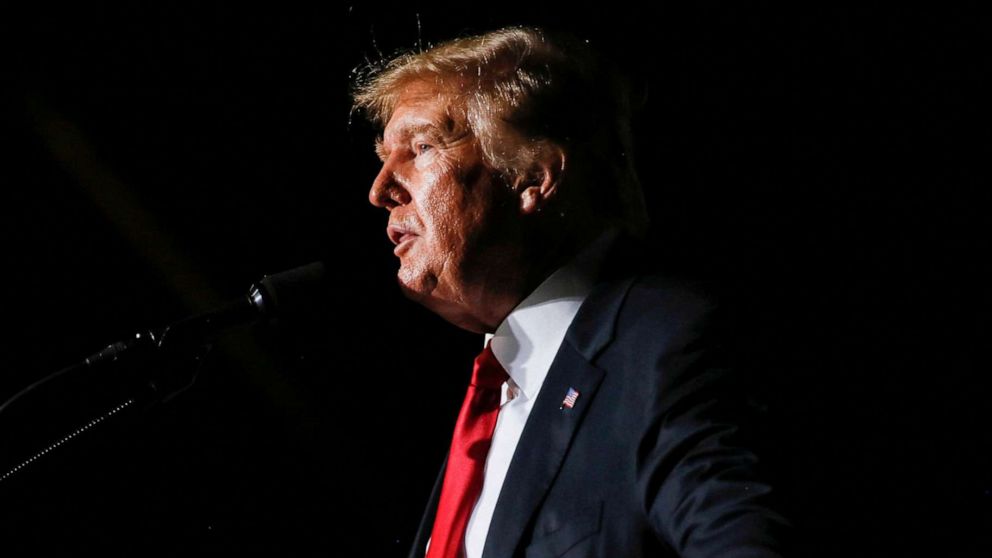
column 292, row 295
column 296, row 294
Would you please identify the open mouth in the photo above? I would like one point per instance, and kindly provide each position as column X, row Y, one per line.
column 399, row 236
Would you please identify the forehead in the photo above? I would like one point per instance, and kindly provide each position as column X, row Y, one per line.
column 420, row 107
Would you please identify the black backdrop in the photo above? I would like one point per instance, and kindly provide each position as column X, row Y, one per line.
column 822, row 167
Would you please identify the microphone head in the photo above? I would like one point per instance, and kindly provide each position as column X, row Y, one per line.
column 296, row 294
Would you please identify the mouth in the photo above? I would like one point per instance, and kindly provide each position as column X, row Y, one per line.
column 400, row 236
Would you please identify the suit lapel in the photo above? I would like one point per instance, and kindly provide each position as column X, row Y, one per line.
column 549, row 429
column 551, row 426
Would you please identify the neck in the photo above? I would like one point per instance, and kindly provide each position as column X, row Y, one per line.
column 510, row 271
column 538, row 260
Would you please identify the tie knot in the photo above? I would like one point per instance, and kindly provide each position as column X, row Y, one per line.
column 488, row 373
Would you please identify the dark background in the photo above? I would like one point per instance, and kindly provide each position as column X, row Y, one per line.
column 824, row 169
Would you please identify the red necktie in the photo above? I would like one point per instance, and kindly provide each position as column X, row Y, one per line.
column 467, row 458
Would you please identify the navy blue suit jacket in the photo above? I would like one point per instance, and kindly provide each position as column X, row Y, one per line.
column 651, row 460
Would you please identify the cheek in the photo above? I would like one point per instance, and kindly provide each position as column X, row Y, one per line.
column 445, row 208
column 455, row 206
column 451, row 228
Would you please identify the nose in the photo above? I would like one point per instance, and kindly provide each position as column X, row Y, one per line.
column 387, row 192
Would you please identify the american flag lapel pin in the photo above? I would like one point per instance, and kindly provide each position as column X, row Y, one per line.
column 570, row 398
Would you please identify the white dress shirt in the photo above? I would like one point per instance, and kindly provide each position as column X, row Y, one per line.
column 526, row 343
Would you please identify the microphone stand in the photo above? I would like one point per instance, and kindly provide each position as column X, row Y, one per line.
column 156, row 365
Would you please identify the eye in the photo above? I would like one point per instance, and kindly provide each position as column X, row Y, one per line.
column 421, row 148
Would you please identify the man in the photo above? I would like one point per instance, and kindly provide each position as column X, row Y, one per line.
column 515, row 209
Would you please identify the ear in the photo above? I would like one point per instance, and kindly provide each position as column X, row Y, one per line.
column 539, row 186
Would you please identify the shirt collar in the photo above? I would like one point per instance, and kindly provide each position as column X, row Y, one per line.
column 527, row 340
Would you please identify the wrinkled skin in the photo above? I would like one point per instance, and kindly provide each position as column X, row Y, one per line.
column 461, row 230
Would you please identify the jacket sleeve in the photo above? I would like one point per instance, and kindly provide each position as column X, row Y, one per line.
column 698, row 470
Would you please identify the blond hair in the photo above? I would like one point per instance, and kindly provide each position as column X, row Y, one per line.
column 520, row 90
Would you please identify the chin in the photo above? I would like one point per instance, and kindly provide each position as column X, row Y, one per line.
column 409, row 292
column 414, row 284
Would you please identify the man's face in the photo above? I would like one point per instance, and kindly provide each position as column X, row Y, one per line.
column 450, row 215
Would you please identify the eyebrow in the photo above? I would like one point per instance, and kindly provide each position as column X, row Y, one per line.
column 380, row 149
column 430, row 128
